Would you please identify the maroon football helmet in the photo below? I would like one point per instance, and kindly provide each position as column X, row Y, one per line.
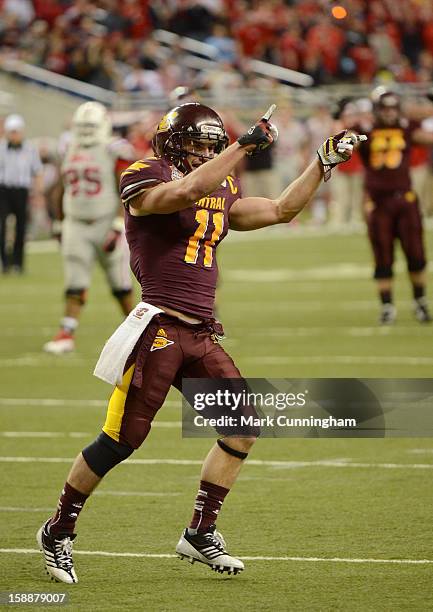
column 185, row 123
column 385, row 99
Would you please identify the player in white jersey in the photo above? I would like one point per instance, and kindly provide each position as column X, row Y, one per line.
column 92, row 227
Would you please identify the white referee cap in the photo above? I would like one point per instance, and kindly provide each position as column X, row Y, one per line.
column 14, row 123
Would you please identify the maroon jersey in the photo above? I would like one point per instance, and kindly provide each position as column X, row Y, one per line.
column 386, row 157
column 173, row 256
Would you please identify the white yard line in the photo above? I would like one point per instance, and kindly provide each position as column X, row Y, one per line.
column 77, row 434
column 332, row 463
column 41, row 360
column 285, row 305
column 36, row 247
column 44, row 434
column 128, row 461
column 23, row 308
column 293, row 332
column 312, row 305
column 13, row 332
column 43, row 246
column 101, row 553
column 336, row 271
column 33, row 401
column 341, row 359
column 135, row 494
column 281, row 275
column 278, row 232
column 15, row 509
column 99, row 494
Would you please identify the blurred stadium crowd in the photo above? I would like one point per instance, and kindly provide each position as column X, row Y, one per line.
column 109, row 42
column 338, row 203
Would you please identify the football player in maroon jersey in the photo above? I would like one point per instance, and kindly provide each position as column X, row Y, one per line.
column 392, row 210
column 179, row 206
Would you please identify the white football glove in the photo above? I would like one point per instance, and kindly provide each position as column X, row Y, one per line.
column 338, row 149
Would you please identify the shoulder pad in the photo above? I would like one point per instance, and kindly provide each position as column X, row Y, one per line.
column 142, row 175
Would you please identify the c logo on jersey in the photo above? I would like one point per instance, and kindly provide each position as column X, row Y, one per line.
column 233, row 187
column 139, row 312
column 161, row 341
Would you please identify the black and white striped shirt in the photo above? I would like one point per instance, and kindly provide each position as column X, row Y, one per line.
column 18, row 165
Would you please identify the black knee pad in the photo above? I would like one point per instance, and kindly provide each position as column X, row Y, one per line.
column 231, row 451
column 77, row 294
column 383, row 272
column 416, row 265
column 104, row 453
column 121, row 293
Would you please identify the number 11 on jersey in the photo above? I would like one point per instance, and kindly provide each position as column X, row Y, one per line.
column 195, row 241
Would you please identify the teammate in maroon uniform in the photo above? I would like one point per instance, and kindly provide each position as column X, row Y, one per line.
column 392, row 211
column 179, row 206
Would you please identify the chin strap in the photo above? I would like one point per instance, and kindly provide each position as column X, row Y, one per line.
column 185, row 163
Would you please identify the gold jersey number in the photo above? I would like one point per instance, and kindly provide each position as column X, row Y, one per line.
column 202, row 217
column 386, row 149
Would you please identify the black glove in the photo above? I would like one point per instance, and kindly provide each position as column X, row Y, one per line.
column 262, row 134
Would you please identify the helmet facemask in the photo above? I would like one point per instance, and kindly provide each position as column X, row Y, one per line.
column 189, row 151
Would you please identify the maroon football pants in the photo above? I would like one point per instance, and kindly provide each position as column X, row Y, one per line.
column 168, row 351
column 396, row 217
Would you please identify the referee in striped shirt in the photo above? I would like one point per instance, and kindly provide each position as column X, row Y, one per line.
column 20, row 172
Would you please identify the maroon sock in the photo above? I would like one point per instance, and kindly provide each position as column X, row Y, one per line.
column 207, row 505
column 69, row 507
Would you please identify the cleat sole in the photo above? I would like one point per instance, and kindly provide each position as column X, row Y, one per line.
column 185, row 548
column 231, row 571
column 219, row 569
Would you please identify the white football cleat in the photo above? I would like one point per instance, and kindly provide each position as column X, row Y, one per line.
column 62, row 343
column 208, row 548
column 388, row 314
column 58, row 555
column 421, row 311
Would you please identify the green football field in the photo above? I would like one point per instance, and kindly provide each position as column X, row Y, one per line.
column 322, row 524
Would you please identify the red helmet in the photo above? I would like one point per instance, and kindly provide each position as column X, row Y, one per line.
column 187, row 122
